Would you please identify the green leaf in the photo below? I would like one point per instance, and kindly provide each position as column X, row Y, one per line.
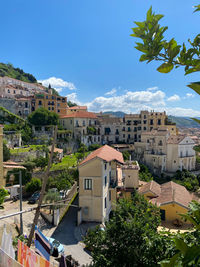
column 149, row 13
column 181, row 245
column 191, row 254
column 195, row 86
column 143, row 58
column 165, row 67
column 197, row 8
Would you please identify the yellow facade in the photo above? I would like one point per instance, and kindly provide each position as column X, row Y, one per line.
column 173, row 211
column 54, row 103
column 1, row 157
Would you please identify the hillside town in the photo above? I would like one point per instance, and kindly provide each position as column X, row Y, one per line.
column 98, row 160
column 99, row 152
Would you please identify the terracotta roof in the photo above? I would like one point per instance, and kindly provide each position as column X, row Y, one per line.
column 151, row 187
column 80, row 114
column 12, row 165
column 106, row 153
column 175, row 139
column 78, row 107
column 59, row 150
column 173, row 192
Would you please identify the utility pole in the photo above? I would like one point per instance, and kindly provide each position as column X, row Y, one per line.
column 44, row 183
column 20, row 199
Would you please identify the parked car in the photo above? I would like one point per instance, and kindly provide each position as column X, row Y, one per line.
column 56, row 244
column 34, row 198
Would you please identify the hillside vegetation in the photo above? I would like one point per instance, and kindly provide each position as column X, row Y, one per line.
column 16, row 73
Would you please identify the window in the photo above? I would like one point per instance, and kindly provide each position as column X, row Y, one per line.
column 145, row 128
column 109, row 195
column 90, row 123
column 147, row 140
column 52, row 97
column 129, row 136
column 52, row 108
column 145, row 116
column 145, row 122
column 105, row 166
column 151, row 122
column 71, row 121
column 49, row 108
column 58, row 104
column 129, row 129
column 123, row 135
column 58, row 110
column 40, row 102
column 14, row 91
column 105, row 203
column 47, row 97
column 159, row 121
column 8, row 91
column 88, row 184
column 83, row 123
column 105, row 180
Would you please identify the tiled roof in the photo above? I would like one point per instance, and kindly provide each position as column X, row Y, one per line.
column 175, row 139
column 78, row 107
column 80, row 114
column 106, row 153
column 169, row 192
column 152, row 187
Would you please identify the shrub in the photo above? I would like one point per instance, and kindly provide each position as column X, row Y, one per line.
column 34, row 185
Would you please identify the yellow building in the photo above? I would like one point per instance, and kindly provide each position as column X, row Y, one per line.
column 101, row 175
column 1, row 156
column 51, row 102
column 172, row 199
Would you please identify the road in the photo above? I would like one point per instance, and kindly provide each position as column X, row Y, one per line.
column 65, row 234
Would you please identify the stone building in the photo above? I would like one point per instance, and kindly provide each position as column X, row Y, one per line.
column 1, row 157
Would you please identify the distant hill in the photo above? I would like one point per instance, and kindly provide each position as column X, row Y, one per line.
column 16, row 73
column 115, row 113
column 184, row 122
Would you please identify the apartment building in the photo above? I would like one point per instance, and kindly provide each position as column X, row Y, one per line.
column 101, row 174
column 83, row 125
column 164, row 152
column 50, row 101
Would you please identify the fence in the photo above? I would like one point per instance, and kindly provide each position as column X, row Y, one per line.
column 57, row 215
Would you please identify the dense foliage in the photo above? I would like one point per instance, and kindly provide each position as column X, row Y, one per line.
column 16, row 73
column 130, row 237
column 126, row 155
column 34, row 185
column 3, row 194
column 42, row 117
column 145, row 174
column 71, row 104
column 64, row 180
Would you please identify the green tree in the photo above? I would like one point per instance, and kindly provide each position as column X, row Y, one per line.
column 130, row 237
column 155, row 47
column 126, row 155
column 43, row 117
column 34, row 185
column 3, row 194
column 145, row 174
column 41, row 162
column 6, row 152
column 71, row 104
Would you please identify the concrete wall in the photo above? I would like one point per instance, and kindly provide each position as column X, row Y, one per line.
column 9, row 104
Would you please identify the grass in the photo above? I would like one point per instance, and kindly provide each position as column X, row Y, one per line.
column 67, row 161
column 26, row 149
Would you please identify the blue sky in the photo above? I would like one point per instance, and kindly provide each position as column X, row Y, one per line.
column 84, row 49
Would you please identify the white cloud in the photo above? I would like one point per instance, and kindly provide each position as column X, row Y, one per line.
column 73, row 98
column 152, row 88
column 183, row 112
column 173, row 98
column 128, row 102
column 189, row 95
column 58, row 83
column 112, row 92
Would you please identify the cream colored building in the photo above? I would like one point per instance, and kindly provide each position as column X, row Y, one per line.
column 101, row 174
column 165, row 152
column 83, row 125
